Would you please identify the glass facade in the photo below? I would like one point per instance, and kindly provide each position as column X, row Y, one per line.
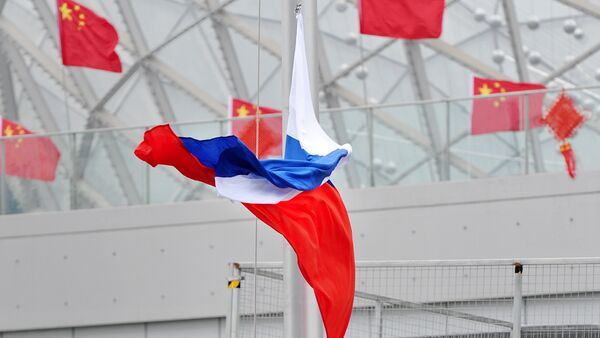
column 366, row 84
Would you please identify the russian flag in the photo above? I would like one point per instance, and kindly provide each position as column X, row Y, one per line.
column 292, row 195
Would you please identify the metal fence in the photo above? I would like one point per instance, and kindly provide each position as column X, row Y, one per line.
column 475, row 298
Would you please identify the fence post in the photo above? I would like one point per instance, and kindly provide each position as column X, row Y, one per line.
column 379, row 319
column 232, row 318
column 517, row 300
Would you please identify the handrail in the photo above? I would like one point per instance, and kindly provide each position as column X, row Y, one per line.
column 451, row 262
column 330, row 110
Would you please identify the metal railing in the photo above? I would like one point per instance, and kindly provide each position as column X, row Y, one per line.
column 462, row 298
column 389, row 147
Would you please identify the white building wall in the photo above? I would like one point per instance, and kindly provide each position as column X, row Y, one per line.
column 169, row 262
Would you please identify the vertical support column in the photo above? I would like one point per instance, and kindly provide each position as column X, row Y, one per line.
column 517, row 300
column 232, row 61
column 294, row 315
column 447, row 148
column 232, row 318
column 419, row 76
column 6, row 86
column 371, row 135
column 73, row 195
column 517, row 46
column 378, row 319
column 314, row 323
column 3, row 194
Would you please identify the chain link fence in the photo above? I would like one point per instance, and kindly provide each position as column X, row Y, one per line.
column 483, row 298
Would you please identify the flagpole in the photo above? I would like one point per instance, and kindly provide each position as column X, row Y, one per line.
column 294, row 285
column 314, row 323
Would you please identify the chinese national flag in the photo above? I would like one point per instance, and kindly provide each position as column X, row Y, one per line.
column 504, row 113
column 86, row 39
column 406, row 19
column 269, row 134
column 30, row 158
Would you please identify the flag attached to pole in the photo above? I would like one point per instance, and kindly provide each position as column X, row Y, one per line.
column 269, row 130
column 86, row 39
column 504, row 113
column 405, row 19
column 292, row 195
column 29, row 158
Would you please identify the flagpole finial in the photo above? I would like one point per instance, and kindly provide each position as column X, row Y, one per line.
column 298, row 8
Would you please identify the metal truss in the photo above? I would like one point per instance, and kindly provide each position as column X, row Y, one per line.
column 238, row 85
column 20, row 49
column 159, row 93
column 421, row 85
column 517, row 46
column 355, row 100
column 87, row 95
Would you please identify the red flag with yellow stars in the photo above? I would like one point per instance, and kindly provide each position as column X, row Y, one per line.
column 30, row 158
column 86, row 39
column 504, row 113
column 269, row 131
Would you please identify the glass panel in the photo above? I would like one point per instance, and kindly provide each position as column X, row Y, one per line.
column 35, row 173
column 483, row 146
column 349, row 126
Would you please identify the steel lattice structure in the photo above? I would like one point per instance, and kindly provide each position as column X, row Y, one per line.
column 191, row 78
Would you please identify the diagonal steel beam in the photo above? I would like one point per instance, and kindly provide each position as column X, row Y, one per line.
column 372, row 53
column 410, row 134
column 7, row 91
column 189, row 87
column 100, row 117
column 142, row 59
column 353, row 99
column 43, row 111
column 572, row 64
column 6, row 85
column 420, row 81
column 88, row 96
column 584, row 6
column 229, row 54
column 23, row 191
column 462, row 58
column 339, row 124
column 517, row 46
column 33, row 92
column 250, row 33
column 141, row 47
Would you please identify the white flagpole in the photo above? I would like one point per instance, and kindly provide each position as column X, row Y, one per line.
column 294, row 285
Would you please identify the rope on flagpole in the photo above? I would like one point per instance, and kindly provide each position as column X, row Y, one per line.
column 257, row 125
